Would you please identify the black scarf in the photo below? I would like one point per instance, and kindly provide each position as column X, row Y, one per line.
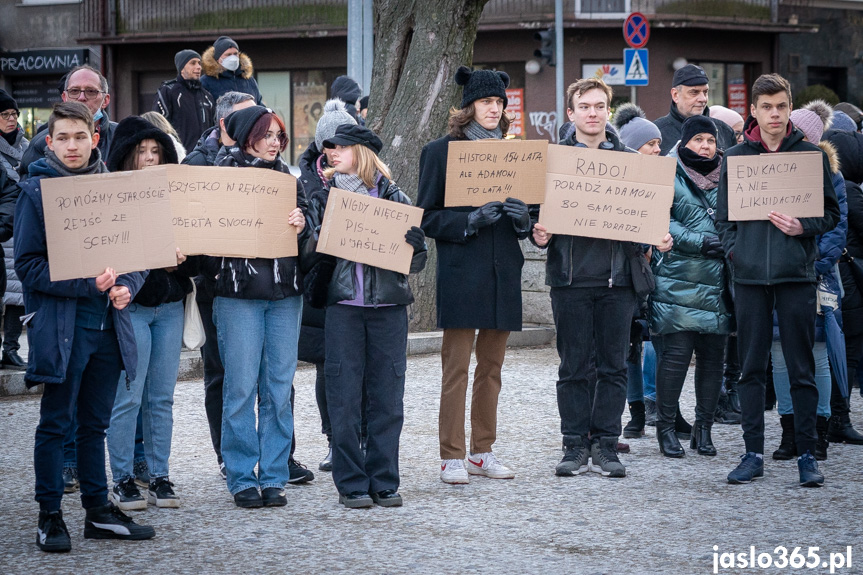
column 698, row 163
column 12, row 136
column 242, row 159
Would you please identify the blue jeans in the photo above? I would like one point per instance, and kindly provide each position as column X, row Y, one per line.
column 258, row 344
column 634, row 379
column 782, row 384
column 649, row 370
column 159, row 334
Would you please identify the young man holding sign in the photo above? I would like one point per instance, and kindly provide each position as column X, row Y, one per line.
column 593, row 301
column 80, row 337
column 774, row 269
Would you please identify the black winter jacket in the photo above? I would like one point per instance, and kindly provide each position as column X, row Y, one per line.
column 188, row 106
column 670, row 126
column 36, row 151
column 760, row 253
column 579, row 261
column 380, row 286
column 9, row 192
column 206, row 149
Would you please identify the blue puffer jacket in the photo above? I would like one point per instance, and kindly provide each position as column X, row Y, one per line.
column 51, row 331
column 691, row 289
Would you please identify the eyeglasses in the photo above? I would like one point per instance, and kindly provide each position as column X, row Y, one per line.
column 281, row 138
column 89, row 93
column 9, row 115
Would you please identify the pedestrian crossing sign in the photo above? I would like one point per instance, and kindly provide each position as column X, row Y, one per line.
column 635, row 66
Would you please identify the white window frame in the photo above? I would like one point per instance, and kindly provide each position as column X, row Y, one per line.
column 603, row 15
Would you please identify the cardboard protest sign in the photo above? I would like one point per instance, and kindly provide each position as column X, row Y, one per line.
column 791, row 183
column 610, row 195
column 368, row 230
column 231, row 212
column 118, row 220
column 482, row 171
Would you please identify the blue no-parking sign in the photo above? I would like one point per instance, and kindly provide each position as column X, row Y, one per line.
column 635, row 66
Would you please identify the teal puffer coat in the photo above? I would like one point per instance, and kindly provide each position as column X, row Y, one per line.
column 690, row 292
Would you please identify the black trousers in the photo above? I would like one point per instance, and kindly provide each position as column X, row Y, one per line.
column 214, row 377
column 677, row 349
column 12, row 327
column 795, row 307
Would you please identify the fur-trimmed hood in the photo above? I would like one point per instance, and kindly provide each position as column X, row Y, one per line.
column 832, row 155
column 213, row 68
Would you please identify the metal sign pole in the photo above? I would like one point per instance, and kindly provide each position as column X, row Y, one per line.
column 632, row 91
column 558, row 70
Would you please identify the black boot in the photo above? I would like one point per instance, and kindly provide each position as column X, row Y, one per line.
column 701, row 439
column 734, row 400
column 681, row 426
column 635, row 427
column 669, row 445
column 787, row 447
column 821, row 425
column 724, row 413
column 840, row 430
column 650, row 412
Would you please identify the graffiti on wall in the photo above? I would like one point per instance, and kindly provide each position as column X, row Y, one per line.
column 545, row 124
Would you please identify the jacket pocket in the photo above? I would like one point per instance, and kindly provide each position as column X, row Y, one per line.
column 400, row 366
column 332, row 368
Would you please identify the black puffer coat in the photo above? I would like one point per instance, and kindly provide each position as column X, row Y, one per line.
column 188, row 106
column 671, row 125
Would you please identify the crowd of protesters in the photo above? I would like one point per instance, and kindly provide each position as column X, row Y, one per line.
column 759, row 303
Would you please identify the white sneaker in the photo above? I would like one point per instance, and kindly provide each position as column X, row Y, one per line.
column 488, row 465
column 453, row 471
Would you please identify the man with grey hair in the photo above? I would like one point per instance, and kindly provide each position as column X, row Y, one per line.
column 87, row 85
column 689, row 98
column 215, row 137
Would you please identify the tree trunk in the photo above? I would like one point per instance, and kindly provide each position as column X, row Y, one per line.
column 419, row 44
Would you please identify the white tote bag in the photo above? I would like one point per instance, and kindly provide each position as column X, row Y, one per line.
column 193, row 328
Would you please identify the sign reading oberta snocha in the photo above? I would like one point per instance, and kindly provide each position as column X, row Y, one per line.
column 791, row 183
column 609, row 195
column 482, row 171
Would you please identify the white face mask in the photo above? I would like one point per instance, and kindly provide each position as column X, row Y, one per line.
column 231, row 62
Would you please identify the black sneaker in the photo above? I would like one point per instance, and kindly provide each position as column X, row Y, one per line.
column 141, row 472
column 603, row 458
column 52, row 535
column 126, row 496
column 576, row 456
column 161, row 494
column 299, row 473
column 223, row 472
column 810, row 476
column 356, row 500
column 248, row 498
column 108, row 522
column 387, row 498
column 70, row 479
column 273, row 497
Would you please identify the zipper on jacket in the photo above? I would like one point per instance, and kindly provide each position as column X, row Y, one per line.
column 611, row 271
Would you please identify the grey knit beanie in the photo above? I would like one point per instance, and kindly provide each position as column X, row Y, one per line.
column 334, row 116
column 634, row 128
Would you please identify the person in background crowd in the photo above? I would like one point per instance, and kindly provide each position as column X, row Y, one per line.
column 689, row 89
column 184, row 102
column 853, row 112
column 348, row 91
column 812, row 120
column 157, row 320
column 366, row 333
column 79, row 361
column 636, row 131
column 690, row 307
column 87, row 85
column 774, row 269
column 478, row 281
column 257, row 312
column 849, row 148
column 592, row 300
column 205, row 154
column 843, row 122
column 159, row 121
column 13, row 144
column 313, row 163
column 731, row 118
column 364, row 108
column 226, row 69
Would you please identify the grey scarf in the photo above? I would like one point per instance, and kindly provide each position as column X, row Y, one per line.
column 10, row 155
column 94, row 166
column 474, row 131
column 351, row 183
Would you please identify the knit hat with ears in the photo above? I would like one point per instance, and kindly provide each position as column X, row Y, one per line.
column 481, row 84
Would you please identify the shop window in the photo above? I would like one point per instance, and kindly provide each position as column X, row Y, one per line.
column 611, row 9
column 309, row 91
column 275, row 88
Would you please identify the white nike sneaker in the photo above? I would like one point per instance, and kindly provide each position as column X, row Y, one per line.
column 488, row 465
column 453, row 471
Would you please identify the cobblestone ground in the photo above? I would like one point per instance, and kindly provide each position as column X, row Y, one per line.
column 665, row 517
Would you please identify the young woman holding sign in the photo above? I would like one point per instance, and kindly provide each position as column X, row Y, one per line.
column 257, row 315
column 366, row 333
column 157, row 318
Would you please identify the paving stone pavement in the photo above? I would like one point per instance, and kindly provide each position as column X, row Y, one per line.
column 664, row 517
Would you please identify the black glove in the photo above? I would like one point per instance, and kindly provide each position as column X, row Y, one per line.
column 484, row 216
column 517, row 210
column 415, row 237
column 711, row 247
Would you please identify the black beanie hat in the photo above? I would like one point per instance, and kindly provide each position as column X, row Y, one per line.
column 481, row 84
column 132, row 131
column 182, row 58
column 7, row 102
column 351, row 134
column 697, row 125
column 240, row 123
column 221, row 46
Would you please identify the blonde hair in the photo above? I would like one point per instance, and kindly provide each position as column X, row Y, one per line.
column 160, row 122
column 367, row 164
